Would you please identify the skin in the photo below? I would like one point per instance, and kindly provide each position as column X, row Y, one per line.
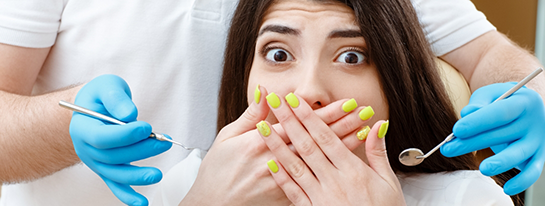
column 35, row 140
column 236, row 161
column 493, row 58
column 315, row 68
column 301, row 44
column 487, row 59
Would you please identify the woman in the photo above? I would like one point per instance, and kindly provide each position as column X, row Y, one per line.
column 319, row 55
column 324, row 51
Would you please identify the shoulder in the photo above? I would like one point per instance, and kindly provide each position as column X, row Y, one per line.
column 449, row 24
column 30, row 23
column 466, row 187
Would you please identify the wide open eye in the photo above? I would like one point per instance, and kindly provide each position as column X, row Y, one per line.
column 351, row 57
column 278, row 55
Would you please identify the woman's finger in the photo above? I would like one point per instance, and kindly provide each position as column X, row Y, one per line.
column 294, row 193
column 257, row 111
column 349, row 128
column 342, row 123
column 295, row 166
column 352, row 121
column 350, row 138
column 333, row 111
column 320, row 132
column 375, row 149
column 300, row 138
column 356, row 138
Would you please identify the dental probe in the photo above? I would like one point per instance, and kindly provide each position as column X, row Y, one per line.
column 415, row 156
column 97, row 115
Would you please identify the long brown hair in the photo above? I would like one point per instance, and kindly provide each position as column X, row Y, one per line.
column 421, row 114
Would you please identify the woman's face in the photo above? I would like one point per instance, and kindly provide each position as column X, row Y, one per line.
column 315, row 50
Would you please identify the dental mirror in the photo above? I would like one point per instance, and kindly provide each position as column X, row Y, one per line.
column 415, row 156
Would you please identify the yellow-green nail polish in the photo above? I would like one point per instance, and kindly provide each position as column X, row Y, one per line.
column 292, row 100
column 263, row 128
column 273, row 100
column 366, row 113
column 350, row 105
column 257, row 94
column 272, row 166
column 383, row 129
column 362, row 134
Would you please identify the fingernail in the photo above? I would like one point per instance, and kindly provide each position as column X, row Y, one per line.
column 362, row 134
column 273, row 100
column 257, row 94
column 292, row 100
column 366, row 113
column 263, row 128
column 350, row 105
column 383, row 129
column 272, row 166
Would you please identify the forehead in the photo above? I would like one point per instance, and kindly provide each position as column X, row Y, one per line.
column 297, row 13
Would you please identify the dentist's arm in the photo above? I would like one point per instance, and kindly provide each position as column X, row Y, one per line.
column 493, row 58
column 513, row 127
column 34, row 141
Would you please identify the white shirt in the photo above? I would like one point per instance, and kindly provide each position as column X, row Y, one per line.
column 458, row 188
column 450, row 24
column 170, row 52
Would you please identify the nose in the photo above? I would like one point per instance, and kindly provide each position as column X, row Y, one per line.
column 312, row 87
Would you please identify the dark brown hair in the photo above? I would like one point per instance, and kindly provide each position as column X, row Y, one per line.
column 421, row 114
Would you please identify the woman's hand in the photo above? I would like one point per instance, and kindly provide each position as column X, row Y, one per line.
column 328, row 173
column 233, row 172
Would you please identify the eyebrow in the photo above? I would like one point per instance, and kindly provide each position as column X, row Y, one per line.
column 280, row 29
column 345, row 34
column 349, row 33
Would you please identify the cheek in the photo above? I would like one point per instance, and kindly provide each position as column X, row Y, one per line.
column 370, row 93
column 250, row 92
column 253, row 81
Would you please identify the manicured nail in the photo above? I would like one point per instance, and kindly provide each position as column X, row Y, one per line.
column 273, row 100
column 383, row 129
column 350, row 105
column 292, row 100
column 362, row 134
column 272, row 166
column 257, row 94
column 366, row 113
column 263, row 128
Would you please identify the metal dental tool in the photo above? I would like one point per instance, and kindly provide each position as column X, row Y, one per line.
column 415, row 156
column 76, row 108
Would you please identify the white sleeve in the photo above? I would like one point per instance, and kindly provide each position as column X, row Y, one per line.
column 449, row 24
column 30, row 23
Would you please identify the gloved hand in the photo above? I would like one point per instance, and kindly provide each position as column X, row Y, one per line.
column 107, row 148
column 513, row 127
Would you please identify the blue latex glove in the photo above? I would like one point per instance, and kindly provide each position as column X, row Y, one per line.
column 107, row 148
column 514, row 128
